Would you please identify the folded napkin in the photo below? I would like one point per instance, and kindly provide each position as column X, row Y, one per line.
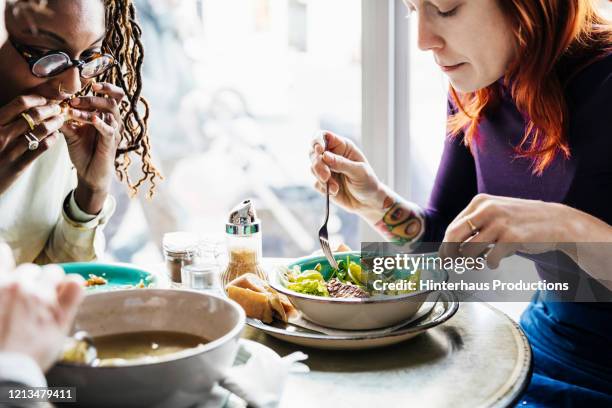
column 258, row 377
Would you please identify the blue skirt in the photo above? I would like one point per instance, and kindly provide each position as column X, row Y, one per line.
column 572, row 354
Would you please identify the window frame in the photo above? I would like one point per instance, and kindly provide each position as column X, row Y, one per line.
column 385, row 126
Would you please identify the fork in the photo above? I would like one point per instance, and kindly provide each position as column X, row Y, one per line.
column 323, row 236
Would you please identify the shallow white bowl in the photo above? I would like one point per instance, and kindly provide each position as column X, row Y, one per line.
column 176, row 380
column 356, row 313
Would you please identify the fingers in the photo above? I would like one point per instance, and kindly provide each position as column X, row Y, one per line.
column 315, row 150
column 85, row 103
column 49, row 126
column 70, row 294
column 82, row 116
column 19, row 126
column 13, row 109
column 106, row 129
column 499, row 252
column 320, row 187
column 460, row 229
column 323, row 175
column 7, row 261
column 320, row 169
column 41, row 113
column 340, row 164
column 326, row 140
column 95, row 119
column 51, row 275
column 19, row 147
column 29, row 156
column 476, row 216
column 111, row 90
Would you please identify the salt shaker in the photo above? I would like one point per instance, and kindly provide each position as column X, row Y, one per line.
column 180, row 249
column 201, row 276
column 244, row 244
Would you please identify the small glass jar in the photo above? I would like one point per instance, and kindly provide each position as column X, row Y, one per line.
column 243, row 234
column 180, row 249
column 202, row 276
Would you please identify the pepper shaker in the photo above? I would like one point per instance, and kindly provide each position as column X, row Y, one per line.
column 180, row 249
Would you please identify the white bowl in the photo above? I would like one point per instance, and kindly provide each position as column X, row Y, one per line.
column 177, row 380
column 356, row 313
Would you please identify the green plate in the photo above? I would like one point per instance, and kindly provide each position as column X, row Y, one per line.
column 119, row 276
column 310, row 262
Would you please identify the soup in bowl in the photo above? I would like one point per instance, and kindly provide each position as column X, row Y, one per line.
column 155, row 348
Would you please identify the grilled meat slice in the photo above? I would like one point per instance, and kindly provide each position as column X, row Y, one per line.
column 338, row 289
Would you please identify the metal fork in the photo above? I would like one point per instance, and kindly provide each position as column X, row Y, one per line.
column 323, row 236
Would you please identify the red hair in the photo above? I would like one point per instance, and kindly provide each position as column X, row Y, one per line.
column 548, row 34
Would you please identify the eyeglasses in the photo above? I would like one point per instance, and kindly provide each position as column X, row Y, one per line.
column 55, row 62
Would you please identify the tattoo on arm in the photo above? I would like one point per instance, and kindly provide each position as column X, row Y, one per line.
column 402, row 223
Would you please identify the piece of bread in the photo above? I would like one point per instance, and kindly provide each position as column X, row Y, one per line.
column 280, row 305
column 251, row 281
column 255, row 304
column 277, row 306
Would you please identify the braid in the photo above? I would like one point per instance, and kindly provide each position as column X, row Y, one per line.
column 123, row 41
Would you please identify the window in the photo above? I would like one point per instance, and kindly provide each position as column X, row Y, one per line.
column 238, row 89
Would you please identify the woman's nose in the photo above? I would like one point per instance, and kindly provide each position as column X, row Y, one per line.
column 428, row 39
column 70, row 81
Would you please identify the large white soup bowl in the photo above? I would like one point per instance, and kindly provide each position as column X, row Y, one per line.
column 174, row 380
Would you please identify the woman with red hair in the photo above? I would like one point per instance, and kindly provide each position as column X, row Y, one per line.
column 528, row 159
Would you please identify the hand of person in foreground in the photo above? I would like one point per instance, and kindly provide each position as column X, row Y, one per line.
column 37, row 307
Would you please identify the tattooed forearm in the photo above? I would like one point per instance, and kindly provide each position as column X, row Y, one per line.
column 402, row 222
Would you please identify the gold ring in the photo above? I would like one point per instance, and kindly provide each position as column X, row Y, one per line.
column 29, row 119
column 471, row 225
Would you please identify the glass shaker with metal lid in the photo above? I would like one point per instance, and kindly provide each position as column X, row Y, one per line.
column 243, row 231
column 180, row 249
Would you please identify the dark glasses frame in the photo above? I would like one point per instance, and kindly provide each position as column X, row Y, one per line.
column 78, row 63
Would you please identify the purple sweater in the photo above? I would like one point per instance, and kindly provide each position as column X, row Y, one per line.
column 570, row 331
column 584, row 181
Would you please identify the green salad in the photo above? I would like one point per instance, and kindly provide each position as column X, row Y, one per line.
column 312, row 282
column 348, row 281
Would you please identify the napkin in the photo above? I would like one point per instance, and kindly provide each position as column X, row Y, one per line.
column 258, row 376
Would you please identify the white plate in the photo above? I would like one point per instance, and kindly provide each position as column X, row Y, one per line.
column 444, row 309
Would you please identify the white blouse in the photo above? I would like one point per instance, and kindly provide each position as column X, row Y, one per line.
column 39, row 218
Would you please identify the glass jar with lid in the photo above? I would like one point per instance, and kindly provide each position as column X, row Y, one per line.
column 180, row 249
column 244, row 243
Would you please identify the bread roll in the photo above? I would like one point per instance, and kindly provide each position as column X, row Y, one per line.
column 255, row 304
column 249, row 283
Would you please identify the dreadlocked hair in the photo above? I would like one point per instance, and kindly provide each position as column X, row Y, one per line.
column 123, row 42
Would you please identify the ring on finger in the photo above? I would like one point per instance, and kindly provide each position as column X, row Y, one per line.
column 33, row 141
column 29, row 119
column 472, row 226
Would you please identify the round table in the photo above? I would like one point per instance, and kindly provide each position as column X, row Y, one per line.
column 479, row 358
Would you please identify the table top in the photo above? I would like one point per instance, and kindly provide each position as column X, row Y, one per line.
column 479, row 358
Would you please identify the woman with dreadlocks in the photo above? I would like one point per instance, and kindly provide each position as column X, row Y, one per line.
column 70, row 113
